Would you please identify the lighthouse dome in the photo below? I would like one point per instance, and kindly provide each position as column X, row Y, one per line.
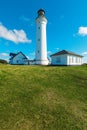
column 41, row 16
column 41, row 12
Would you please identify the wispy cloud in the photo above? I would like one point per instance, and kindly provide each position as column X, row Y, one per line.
column 82, row 31
column 49, row 52
column 16, row 36
column 84, row 53
column 4, row 54
column 27, row 21
column 57, row 49
column 23, row 18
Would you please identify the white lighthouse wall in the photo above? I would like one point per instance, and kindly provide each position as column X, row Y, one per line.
column 41, row 43
column 38, row 38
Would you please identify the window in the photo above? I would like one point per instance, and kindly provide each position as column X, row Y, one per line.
column 38, row 27
column 38, row 51
column 17, row 61
column 76, row 60
column 70, row 60
column 39, row 39
column 79, row 60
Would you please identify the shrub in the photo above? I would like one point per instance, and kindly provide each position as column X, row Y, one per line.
column 3, row 61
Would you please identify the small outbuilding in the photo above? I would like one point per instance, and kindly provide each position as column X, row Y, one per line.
column 65, row 57
column 18, row 59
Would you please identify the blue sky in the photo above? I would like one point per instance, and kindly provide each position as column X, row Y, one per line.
column 66, row 28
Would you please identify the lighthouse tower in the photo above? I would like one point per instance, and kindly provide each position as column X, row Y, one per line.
column 41, row 43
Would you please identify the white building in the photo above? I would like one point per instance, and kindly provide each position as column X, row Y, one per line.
column 41, row 41
column 66, row 58
column 18, row 59
column 31, row 62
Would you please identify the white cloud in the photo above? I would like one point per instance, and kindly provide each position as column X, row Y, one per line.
column 84, row 53
column 4, row 54
column 82, row 31
column 49, row 52
column 15, row 36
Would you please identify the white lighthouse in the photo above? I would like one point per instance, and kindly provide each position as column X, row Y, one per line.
column 41, row 41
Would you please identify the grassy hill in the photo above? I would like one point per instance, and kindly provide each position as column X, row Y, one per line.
column 43, row 98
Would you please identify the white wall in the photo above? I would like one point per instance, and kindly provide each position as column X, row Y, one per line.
column 59, row 60
column 19, row 59
column 32, row 62
column 66, row 60
column 41, row 43
column 74, row 60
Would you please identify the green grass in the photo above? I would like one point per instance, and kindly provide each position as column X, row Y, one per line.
column 43, row 98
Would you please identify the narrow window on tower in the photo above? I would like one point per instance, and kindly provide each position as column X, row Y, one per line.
column 38, row 27
column 39, row 39
column 38, row 51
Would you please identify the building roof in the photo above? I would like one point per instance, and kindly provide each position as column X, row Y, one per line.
column 14, row 55
column 65, row 52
